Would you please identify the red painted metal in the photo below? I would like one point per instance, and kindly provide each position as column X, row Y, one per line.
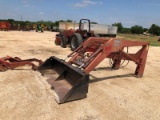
column 69, row 34
column 5, row 25
column 101, row 48
column 70, row 79
column 57, row 40
column 13, row 62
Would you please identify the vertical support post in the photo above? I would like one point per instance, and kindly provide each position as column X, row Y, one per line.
column 116, row 64
column 117, row 61
column 140, row 67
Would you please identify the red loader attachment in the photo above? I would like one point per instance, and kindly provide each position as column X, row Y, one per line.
column 11, row 63
column 70, row 79
column 68, row 82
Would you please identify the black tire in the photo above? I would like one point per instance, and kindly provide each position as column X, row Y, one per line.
column 114, row 36
column 96, row 35
column 63, row 41
column 76, row 40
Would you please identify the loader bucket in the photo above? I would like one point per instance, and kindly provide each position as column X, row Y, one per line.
column 68, row 82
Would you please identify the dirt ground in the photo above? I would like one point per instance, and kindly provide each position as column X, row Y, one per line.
column 113, row 94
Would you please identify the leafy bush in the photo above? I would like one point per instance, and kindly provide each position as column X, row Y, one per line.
column 126, row 30
column 120, row 27
column 137, row 29
column 154, row 29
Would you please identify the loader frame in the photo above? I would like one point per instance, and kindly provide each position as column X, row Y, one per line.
column 70, row 78
column 101, row 48
column 9, row 62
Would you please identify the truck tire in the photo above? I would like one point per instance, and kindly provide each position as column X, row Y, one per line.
column 76, row 40
column 63, row 41
column 57, row 41
column 96, row 35
column 114, row 35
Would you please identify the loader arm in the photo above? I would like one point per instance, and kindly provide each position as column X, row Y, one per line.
column 70, row 79
column 109, row 48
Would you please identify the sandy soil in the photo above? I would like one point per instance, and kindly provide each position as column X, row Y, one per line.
column 113, row 94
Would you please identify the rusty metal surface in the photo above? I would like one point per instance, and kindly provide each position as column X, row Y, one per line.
column 5, row 25
column 70, row 79
column 14, row 62
column 109, row 48
column 68, row 82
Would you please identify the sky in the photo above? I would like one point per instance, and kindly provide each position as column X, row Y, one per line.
column 128, row 12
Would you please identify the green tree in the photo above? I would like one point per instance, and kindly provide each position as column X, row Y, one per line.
column 11, row 20
column 56, row 23
column 69, row 21
column 154, row 29
column 137, row 29
column 145, row 29
column 48, row 23
column 94, row 23
column 126, row 30
column 120, row 27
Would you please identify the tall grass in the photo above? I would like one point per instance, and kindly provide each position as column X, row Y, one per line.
column 152, row 39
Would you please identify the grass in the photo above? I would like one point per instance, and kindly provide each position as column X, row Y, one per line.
column 152, row 39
